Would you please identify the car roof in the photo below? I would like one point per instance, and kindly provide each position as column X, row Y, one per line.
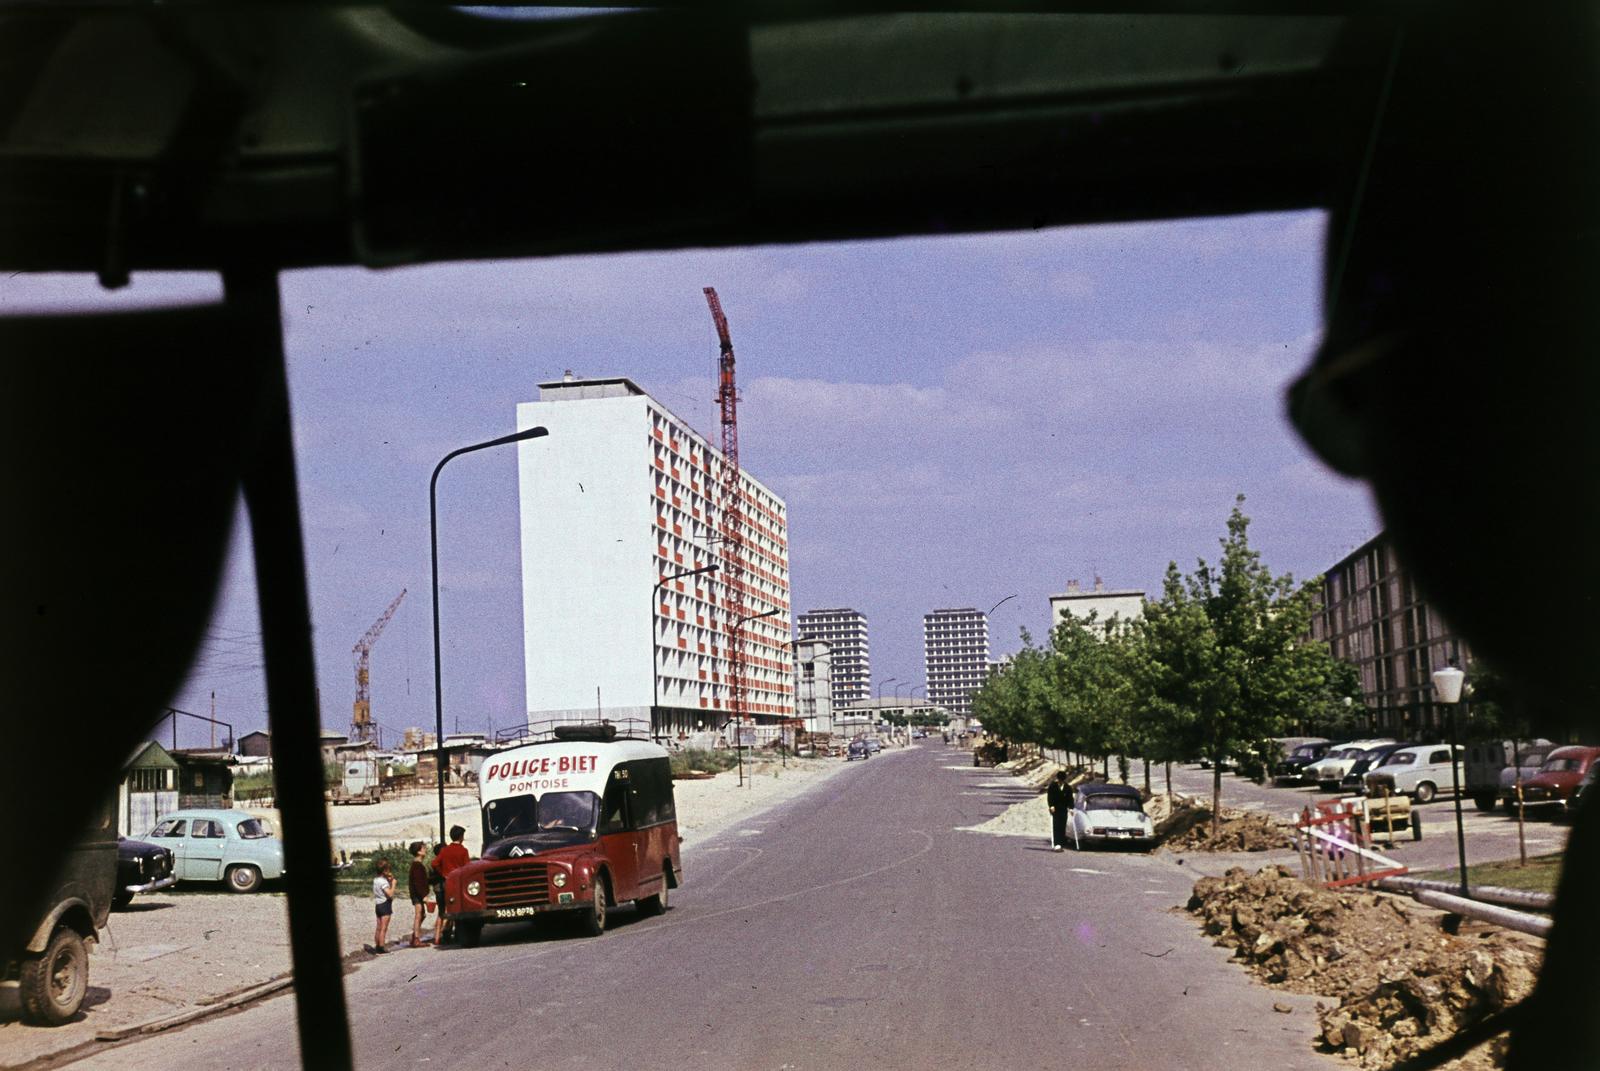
column 1103, row 788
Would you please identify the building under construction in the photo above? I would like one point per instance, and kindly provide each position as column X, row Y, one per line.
column 618, row 499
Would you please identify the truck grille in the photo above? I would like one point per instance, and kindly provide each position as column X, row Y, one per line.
column 516, row 884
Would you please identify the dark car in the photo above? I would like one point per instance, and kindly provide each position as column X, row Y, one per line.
column 1292, row 770
column 857, row 750
column 1355, row 780
column 141, row 867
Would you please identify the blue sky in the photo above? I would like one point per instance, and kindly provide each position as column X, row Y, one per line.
column 951, row 420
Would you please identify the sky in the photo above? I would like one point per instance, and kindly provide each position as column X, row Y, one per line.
column 951, row 420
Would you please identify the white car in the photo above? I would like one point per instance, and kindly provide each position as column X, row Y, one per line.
column 1102, row 813
column 1419, row 771
column 1337, row 762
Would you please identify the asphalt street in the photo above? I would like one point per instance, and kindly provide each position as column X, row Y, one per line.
column 852, row 927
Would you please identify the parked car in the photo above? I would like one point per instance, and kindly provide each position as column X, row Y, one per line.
column 1355, row 778
column 220, row 845
column 874, row 745
column 1103, row 813
column 1583, row 796
column 1291, row 769
column 1331, row 768
column 1532, row 761
column 857, row 750
column 1556, row 783
column 1418, row 771
column 141, row 867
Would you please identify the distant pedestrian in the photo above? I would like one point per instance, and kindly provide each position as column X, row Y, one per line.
column 448, row 858
column 418, row 883
column 383, row 904
column 1059, row 797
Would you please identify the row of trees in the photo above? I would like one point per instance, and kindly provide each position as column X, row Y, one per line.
column 1214, row 669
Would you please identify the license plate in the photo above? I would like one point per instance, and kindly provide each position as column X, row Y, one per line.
column 564, row 898
column 513, row 912
column 1121, row 833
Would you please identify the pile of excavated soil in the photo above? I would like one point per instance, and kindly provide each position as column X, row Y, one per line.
column 1402, row 984
column 1184, row 825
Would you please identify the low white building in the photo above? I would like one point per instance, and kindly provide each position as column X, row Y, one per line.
column 1125, row 605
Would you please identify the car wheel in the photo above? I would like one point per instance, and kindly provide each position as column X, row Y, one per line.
column 594, row 920
column 121, row 901
column 53, row 984
column 1426, row 791
column 1484, row 803
column 468, row 934
column 657, row 904
column 243, row 879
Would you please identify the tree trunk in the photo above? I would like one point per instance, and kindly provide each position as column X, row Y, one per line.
column 1105, row 766
column 1147, row 777
column 1216, row 799
column 1169, row 777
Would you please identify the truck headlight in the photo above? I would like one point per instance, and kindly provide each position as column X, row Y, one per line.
column 559, row 879
column 473, row 888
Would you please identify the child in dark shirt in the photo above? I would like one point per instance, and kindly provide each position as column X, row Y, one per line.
column 418, row 881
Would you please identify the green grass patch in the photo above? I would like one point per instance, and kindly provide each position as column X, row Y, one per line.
column 1540, row 875
column 356, row 879
column 703, row 760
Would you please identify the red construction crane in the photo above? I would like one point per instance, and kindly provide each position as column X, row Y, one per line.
column 361, row 716
column 731, row 510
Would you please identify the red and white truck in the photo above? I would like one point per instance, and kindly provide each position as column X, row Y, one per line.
column 581, row 822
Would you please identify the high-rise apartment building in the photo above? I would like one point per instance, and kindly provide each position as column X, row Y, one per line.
column 619, row 497
column 845, row 632
column 1372, row 614
column 955, row 647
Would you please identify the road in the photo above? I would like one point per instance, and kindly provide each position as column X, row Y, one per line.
column 852, row 927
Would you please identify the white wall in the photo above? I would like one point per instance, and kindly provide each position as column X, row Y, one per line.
column 587, row 557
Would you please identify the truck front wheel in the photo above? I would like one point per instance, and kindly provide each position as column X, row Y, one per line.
column 53, row 984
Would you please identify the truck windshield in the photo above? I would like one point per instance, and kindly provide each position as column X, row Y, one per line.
column 517, row 816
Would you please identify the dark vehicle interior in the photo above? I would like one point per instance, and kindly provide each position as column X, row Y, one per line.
column 1455, row 148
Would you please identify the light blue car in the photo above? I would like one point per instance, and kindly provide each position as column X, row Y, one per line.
column 220, row 845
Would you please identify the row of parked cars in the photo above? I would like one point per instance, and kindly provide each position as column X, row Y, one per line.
column 1552, row 777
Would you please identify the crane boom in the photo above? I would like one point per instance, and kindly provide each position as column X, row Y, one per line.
column 361, row 713
column 731, row 503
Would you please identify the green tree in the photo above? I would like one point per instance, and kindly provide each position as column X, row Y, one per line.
column 1228, row 661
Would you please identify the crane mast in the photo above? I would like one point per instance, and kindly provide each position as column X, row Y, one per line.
column 731, row 515
column 361, row 714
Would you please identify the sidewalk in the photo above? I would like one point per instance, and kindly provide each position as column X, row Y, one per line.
column 173, row 954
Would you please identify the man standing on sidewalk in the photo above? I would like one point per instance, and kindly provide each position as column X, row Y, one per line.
column 1059, row 797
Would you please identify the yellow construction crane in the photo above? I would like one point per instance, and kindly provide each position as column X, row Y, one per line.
column 361, row 716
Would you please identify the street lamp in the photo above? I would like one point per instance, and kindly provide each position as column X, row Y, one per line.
column 1447, row 689
column 878, row 707
column 655, row 678
column 433, row 538
column 896, row 694
column 738, row 717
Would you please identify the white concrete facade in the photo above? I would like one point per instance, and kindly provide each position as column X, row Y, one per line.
column 813, row 684
column 619, row 497
column 845, row 632
column 955, row 647
column 1126, row 605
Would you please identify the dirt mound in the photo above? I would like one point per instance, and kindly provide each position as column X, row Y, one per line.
column 1402, row 984
column 1184, row 824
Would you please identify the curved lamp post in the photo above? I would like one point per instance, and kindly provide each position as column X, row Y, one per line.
column 1447, row 689
column 433, row 537
column 738, row 717
column 655, row 678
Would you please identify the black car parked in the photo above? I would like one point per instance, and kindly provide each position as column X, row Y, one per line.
column 141, row 867
column 1371, row 759
column 1293, row 768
